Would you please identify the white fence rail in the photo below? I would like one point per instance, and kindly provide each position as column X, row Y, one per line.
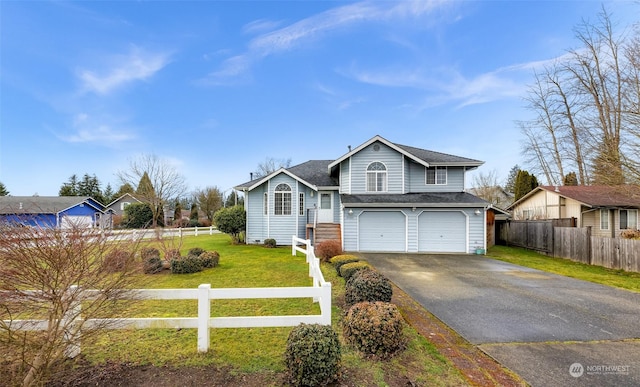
column 164, row 232
column 320, row 291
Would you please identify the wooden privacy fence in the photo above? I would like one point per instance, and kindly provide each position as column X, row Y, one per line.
column 577, row 244
column 320, row 291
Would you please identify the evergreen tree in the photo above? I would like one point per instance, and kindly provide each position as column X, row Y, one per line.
column 3, row 190
column 145, row 187
column 525, row 183
column 510, row 185
column 138, row 215
column 69, row 188
column 570, row 179
column 124, row 189
column 231, row 200
column 194, row 213
column 90, row 186
column 177, row 212
column 108, row 195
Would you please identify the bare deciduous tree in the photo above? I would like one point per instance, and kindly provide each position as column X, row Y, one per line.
column 579, row 104
column 167, row 182
column 44, row 275
column 270, row 165
column 209, row 200
column 486, row 186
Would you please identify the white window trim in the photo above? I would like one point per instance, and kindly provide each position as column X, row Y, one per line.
column 283, row 202
column 376, row 175
column 301, row 204
column 435, row 169
column 604, row 211
column 265, row 203
column 632, row 219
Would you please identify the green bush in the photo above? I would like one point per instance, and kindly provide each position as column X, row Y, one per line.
column 196, row 251
column 328, row 249
column 367, row 285
column 348, row 270
column 342, row 259
column 270, row 242
column 186, row 265
column 312, row 356
column 149, row 252
column 209, row 259
column 374, row 328
column 152, row 265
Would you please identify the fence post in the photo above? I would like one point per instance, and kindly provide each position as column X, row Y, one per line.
column 293, row 245
column 71, row 334
column 204, row 314
column 210, row 230
column 325, row 303
column 180, row 232
column 589, row 250
column 196, row 233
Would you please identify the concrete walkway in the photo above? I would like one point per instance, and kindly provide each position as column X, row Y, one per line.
column 540, row 325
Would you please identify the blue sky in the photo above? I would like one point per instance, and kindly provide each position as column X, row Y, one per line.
column 216, row 87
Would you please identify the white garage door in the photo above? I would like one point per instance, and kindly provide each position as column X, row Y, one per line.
column 442, row 232
column 382, row 231
column 69, row 221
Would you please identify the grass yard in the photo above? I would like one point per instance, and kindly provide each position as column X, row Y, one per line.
column 523, row 257
column 257, row 351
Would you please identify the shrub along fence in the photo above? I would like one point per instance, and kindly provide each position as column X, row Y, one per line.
column 320, row 291
column 576, row 244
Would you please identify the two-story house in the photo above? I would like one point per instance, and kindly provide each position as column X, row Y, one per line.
column 380, row 197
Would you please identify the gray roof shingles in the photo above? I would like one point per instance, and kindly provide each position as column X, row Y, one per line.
column 414, row 198
column 38, row 204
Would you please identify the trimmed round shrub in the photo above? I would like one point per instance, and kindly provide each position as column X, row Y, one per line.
column 342, row 259
column 367, row 285
column 312, row 356
column 348, row 270
column 152, row 265
column 209, row 259
column 196, row 251
column 186, row 265
column 270, row 242
column 149, row 252
column 374, row 328
column 328, row 249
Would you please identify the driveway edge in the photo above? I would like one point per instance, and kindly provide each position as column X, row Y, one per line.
column 478, row 368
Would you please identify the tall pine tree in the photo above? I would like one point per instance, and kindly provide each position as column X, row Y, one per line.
column 525, row 183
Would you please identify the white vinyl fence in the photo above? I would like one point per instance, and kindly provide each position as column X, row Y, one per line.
column 320, row 291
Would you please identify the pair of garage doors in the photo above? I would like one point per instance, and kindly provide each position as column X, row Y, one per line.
column 438, row 231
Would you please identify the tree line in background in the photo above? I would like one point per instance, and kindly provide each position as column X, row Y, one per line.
column 587, row 110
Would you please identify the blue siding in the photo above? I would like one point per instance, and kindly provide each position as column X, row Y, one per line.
column 416, row 179
column 345, row 177
column 36, row 220
column 278, row 227
column 389, row 157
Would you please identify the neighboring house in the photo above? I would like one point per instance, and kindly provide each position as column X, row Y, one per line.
column 54, row 211
column 608, row 210
column 118, row 205
column 380, row 196
column 495, row 195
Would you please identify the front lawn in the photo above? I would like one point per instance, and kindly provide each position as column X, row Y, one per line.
column 257, row 351
column 523, row 257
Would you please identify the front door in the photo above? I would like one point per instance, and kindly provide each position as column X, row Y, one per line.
column 325, row 209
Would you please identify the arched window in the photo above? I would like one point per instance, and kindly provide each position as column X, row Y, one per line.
column 376, row 177
column 282, row 204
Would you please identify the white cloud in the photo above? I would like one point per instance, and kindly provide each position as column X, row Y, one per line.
column 87, row 129
column 315, row 27
column 260, row 26
column 137, row 65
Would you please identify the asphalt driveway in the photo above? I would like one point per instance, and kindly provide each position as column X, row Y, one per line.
column 538, row 324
